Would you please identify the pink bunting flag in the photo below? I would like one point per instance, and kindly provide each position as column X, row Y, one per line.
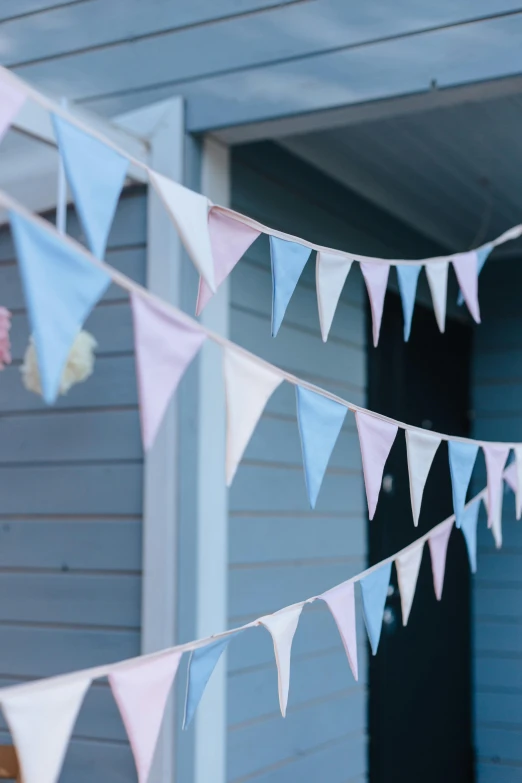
column 438, row 544
column 376, row 438
column 249, row 384
column 376, row 279
column 282, row 626
column 466, row 269
column 341, row 603
column 141, row 691
column 165, row 345
column 496, row 455
column 230, row 239
column 12, row 99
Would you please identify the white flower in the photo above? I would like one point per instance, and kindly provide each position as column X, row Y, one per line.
column 80, row 364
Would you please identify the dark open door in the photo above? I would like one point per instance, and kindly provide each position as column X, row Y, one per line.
column 420, row 679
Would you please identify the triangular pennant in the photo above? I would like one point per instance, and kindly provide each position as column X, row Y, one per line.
column 466, row 269
column 41, row 723
column 438, row 544
column 482, row 257
column 141, row 691
column 331, row 272
column 320, row 421
column 189, row 212
column 408, row 277
column 462, row 458
column 374, row 589
column 288, row 261
column 249, row 384
column 230, row 239
column 437, row 275
column 421, row 448
column 496, row 455
column 518, row 473
column 165, row 346
column 61, row 286
column 376, row 279
column 202, row 663
column 469, row 530
column 11, row 101
column 407, row 566
column 282, row 626
column 96, row 174
column 376, row 437
column 511, row 474
column 341, row 603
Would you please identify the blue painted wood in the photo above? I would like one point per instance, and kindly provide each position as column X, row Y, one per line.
column 70, row 526
column 87, row 544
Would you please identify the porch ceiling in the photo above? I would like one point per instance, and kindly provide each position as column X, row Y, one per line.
column 454, row 173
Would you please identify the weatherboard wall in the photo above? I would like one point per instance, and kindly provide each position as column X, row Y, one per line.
column 70, row 517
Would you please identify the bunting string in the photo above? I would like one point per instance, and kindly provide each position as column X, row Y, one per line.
column 131, row 286
column 216, row 237
column 97, row 672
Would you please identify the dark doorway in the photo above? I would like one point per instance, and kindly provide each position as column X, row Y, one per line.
column 420, row 679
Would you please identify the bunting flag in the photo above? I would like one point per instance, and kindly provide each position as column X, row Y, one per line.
column 438, row 544
column 518, row 474
column 341, row 603
column 421, row 449
column 466, row 269
column 288, row 261
column 408, row 277
column 510, row 475
column 462, row 458
column 320, row 422
column 189, row 212
column 282, row 626
column 331, row 272
column 203, row 661
column 496, row 456
column 408, row 565
column 376, row 437
column 41, row 723
column 165, row 346
column 437, row 275
column 229, row 239
column 96, row 174
column 376, row 279
column 469, row 530
column 61, row 286
column 482, row 256
column 141, row 691
column 12, row 98
column 374, row 589
column 248, row 387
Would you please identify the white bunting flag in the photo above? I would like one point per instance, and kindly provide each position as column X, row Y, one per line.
column 41, row 723
column 518, row 473
column 331, row 272
column 421, row 447
column 496, row 455
column 466, row 270
column 376, row 279
column 189, row 211
column 408, row 565
column 248, row 387
column 438, row 544
column 282, row 626
column 437, row 275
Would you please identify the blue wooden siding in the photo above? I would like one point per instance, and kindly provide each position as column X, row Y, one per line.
column 497, row 387
column 239, row 61
column 280, row 551
column 70, row 517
